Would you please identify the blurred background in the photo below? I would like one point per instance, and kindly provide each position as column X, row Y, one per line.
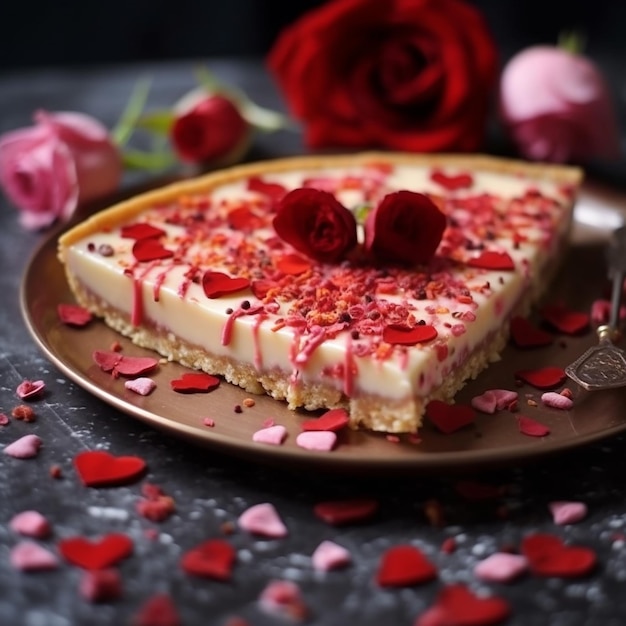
column 43, row 33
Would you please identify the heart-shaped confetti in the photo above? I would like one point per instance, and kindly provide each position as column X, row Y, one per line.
column 409, row 336
column 492, row 260
column 212, row 559
column 30, row 524
column 292, row 264
column 142, row 386
column 456, row 605
column 159, row 610
column 74, row 315
column 341, row 512
column 543, row 377
column 333, row 420
column 452, row 182
column 100, row 585
column 448, row 418
column 524, row 334
column 117, row 363
column 404, row 565
column 217, row 284
column 97, row 468
column 272, row 435
column 145, row 250
column 98, row 554
column 330, row 556
column 566, row 320
column 141, row 230
column 195, row 382
column 263, row 519
column 25, row 447
column 494, row 399
column 284, row 599
column 564, row 512
column 30, row 389
column 548, row 556
column 530, row 427
column 317, row 440
column 501, row 567
column 27, row 556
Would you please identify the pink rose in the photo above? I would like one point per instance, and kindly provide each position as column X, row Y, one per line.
column 209, row 128
column 557, row 107
column 406, row 228
column 48, row 169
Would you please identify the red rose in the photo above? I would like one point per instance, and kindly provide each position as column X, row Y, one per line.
column 412, row 75
column 406, row 227
column 315, row 223
column 209, row 128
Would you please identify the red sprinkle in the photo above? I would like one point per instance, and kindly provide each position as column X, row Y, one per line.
column 334, row 420
column 99, row 554
column 531, row 427
column 566, row 320
column 406, row 336
column 125, row 365
column 150, row 250
column 543, row 377
column 491, row 260
column 292, row 264
column 212, row 559
column 193, row 382
column 141, row 230
column 403, row 566
column 97, row 468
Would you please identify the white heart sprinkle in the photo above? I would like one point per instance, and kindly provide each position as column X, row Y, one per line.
column 501, row 567
column 143, row 386
column 25, row 447
column 274, row 435
column 31, row 524
column 263, row 519
column 317, row 440
column 329, row 555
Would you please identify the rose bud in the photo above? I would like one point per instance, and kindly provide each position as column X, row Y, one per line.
column 315, row 223
column 405, row 228
column 557, row 107
column 48, row 169
column 209, row 128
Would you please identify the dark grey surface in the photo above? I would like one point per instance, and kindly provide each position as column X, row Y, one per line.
column 210, row 489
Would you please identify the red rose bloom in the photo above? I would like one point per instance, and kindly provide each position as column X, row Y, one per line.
column 406, row 227
column 315, row 223
column 412, row 75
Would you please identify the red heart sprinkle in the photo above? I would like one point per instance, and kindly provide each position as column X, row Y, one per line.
column 452, row 182
column 141, row 230
column 406, row 336
column 456, row 605
column 334, row 419
column 73, row 314
column 262, row 286
column 526, row 335
column 192, row 382
column 97, row 468
column 159, row 610
column 531, row 427
column 150, row 250
column 404, row 565
column 340, row 512
column 98, row 554
column 216, row 284
column 548, row 556
column 543, row 377
column 449, row 418
column 565, row 320
column 292, row 264
column 117, row 363
column 491, row 260
column 212, row 559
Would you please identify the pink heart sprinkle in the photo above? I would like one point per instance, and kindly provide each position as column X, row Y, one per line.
column 501, row 567
column 27, row 556
column 274, row 435
column 329, row 555
column 30, row 388
column 30, row 524
column 143, row 386
column 263, row 519
column 485, row 402
column 567, row 512
column 25, row 447
column 317, row 440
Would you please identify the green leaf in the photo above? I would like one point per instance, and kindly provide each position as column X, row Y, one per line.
column 158, row 122
column 125, row 126
column 151, row 161
column 572, row 41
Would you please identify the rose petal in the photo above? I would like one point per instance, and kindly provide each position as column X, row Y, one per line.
column 531, row 427
column 543, row 377
column 141, row 230
column 263, row 519
column 403, row 566
column 449, row 418
column 117, row 363
column 409, row 336
column 341, row 512
column 74, row 315
column 526, row 335
column 292, row 264
column 329, row 556
column 193, row 382
column 333, row 420
column 30, row 388
column 565, row 320
column 217, row 284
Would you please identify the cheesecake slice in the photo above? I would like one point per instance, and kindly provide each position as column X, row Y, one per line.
column 205, row 273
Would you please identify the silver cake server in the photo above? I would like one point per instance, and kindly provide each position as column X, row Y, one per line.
column 604, row 366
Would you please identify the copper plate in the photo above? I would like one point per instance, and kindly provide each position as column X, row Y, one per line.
column 493, row 439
